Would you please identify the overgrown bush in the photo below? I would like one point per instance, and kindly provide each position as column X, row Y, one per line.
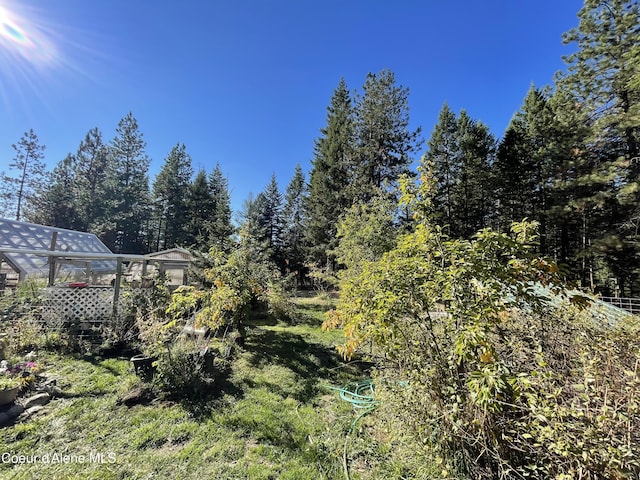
column 502, row 384
column 185, row 370
column 238, row 280
column 581, row 410
column 143, row 322
column 23, row 325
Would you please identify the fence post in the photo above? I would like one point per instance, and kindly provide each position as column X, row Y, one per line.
column 52, row 259
column 116, row 286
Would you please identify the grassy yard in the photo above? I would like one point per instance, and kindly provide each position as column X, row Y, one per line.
column 273, row 417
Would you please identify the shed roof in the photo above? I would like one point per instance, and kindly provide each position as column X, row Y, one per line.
column 31, row 237
column 176, row 253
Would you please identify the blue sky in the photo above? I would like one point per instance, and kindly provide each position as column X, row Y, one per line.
column 246, row 83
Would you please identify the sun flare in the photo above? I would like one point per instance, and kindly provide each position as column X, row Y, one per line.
column 37, row 55
column 24, row 39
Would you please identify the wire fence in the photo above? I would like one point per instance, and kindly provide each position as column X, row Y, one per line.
column 631, row 305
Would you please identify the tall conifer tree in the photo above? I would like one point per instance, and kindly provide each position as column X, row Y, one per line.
column 461, row 151
column 171, row 192
column 270, row 219
column 124, row 223
column 477, row 148
column 600, row 79
column 294, row 220
column 385, row 142
column 219, row 225
column 25, row 178
column 600, row 75
column 443, row 154
column 512, row 177
column 91, row 170
column 329, row 191
column 56, row 204
column 200, row 209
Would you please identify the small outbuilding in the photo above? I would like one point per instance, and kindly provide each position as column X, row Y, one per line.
column 29, row 250
column 173, row 263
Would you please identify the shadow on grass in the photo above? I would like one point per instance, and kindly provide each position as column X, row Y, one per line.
column 97, row 361
column 315, row 364
column 258, row 319
column 210, row 396
column 315, row 307
column 306, row 320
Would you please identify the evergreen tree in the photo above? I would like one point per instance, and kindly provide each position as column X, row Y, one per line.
column 477, row 147
column 511, row 178
column 219, row 225
column 124, row 224
column 270, row 220
column 170, row 193
column 251, row 229
column 443, row 153
column 200, row 207
column 461, row 151
column 91, row 165
column 600, row 79
column 329, row 178
column 582, row 201
column 294, row 224
column 524, row 166
column 384, row 141
column 20, row 187
column 56, row 205
column 545, row 172
column 250, row 225
column 536, row 117
column 601, row 72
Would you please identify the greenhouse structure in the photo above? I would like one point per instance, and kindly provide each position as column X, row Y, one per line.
column 76, row 274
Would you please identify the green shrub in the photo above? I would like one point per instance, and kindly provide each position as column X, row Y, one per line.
column 238, row 280
column 143, row 322
column 502, row 384
column 185, row 371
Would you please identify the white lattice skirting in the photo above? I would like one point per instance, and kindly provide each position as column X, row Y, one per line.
column 90, row 304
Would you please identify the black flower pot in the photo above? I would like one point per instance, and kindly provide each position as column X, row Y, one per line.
column 143, row 366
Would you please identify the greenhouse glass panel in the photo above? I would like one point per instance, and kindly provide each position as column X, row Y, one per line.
column 29, row 236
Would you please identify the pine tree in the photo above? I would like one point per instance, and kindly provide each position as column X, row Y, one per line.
column 200, row 207
column 570, row 183
column 461, row 151
column 600, row 75
column 384, row 141
column 124, row 224
column 56, row 205
column 20, row 187
column 329, row 178
column 600, row 79
column 170, row 194
column 294, row 224
column 219, row 225
column 270, row 219
column 545, row 172
column 443, row 153
column 250, row 218
column 91, row 166
column 511, row 178
column 530, row 157
column 477, row 147
column 251, row 231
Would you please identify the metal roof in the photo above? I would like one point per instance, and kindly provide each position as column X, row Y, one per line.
column 16, row 236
